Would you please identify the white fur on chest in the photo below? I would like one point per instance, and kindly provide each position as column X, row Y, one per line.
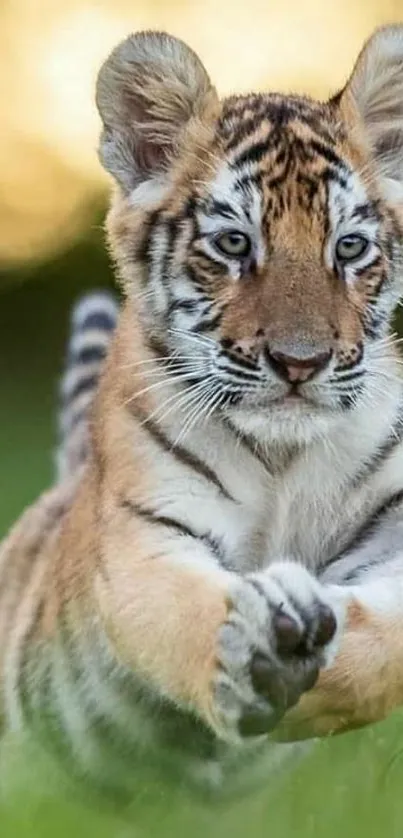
column 304, row 513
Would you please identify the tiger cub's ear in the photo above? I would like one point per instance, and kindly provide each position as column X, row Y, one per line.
column 376, row 91
column 147, row 91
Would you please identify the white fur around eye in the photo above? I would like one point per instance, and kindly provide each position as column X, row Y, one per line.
column 343, row 200
column 247, row 217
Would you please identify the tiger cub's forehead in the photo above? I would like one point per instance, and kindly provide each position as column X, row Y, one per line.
column 241, row 116
column 285, row 159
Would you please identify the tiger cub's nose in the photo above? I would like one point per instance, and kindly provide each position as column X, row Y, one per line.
column 297, row 368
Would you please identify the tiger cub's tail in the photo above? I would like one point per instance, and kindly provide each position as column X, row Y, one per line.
column 93, row 321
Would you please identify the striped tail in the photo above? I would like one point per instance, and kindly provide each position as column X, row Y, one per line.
column 93, row 321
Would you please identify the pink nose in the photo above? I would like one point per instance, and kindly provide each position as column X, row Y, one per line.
column 298, row 369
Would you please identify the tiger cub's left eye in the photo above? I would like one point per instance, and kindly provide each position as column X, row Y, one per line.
column 233, row 244
column 349, row 248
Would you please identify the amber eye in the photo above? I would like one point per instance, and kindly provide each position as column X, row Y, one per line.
column 233, row 244
column 349, row 248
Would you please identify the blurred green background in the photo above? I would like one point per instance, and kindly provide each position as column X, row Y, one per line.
column 34, row 311
column 52, row 204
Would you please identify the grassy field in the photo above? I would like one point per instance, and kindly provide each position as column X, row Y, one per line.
column 349, row 787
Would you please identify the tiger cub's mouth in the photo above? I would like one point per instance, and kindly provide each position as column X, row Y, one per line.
column 293, row 400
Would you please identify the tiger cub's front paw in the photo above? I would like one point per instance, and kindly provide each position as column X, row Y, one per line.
column 281, row 629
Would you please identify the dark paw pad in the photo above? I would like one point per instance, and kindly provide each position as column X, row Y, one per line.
column 325, row 628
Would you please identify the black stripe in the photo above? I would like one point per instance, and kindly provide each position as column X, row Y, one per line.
column 249, row 443
column 240, row 374
column 183, row 305
column 196, row 281
column 243, row 130
column 374, row 323
column 349, row 376
column 232, row 395
column 84, row 384
column 332, row 175
column 179, row 452
column 216, row 547
column 142, row 250
column 238, row 360
column 101, row 320
column 157, row 345
column 209, row 324
column 259, row 588
column 360, row 271
column 394, row 438
column 326, row 152
column 179, row 527
column 243, row 182
column 154, row 518
column 368, row 529
column 355, row 574
column 189, row 209
column 254, row 153
column 279, row 179
column 221, row 208
column 171, row 229
column 88, row 354
column 348, row 400
column 364, row 212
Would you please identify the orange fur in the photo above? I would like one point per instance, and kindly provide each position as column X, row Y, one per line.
column 363, row 686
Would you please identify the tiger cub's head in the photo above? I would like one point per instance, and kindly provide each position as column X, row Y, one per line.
column 265, row 230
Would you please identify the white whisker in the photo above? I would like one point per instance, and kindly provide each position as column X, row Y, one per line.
column 171, row 372
column 165, row 382
column 179, row 401
column 197, row 411
column 158, row 359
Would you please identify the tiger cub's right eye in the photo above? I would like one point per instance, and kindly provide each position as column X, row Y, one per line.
column 234, row 244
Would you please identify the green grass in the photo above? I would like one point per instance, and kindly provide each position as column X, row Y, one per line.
column 349, row 787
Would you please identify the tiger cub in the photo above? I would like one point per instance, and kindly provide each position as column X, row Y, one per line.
column 234, row 496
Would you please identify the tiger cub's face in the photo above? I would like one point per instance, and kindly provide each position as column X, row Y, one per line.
column 267, row 229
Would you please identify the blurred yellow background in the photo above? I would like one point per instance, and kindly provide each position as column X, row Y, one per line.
column 50, row 52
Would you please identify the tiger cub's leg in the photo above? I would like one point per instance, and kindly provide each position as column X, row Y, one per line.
column 238, row 651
